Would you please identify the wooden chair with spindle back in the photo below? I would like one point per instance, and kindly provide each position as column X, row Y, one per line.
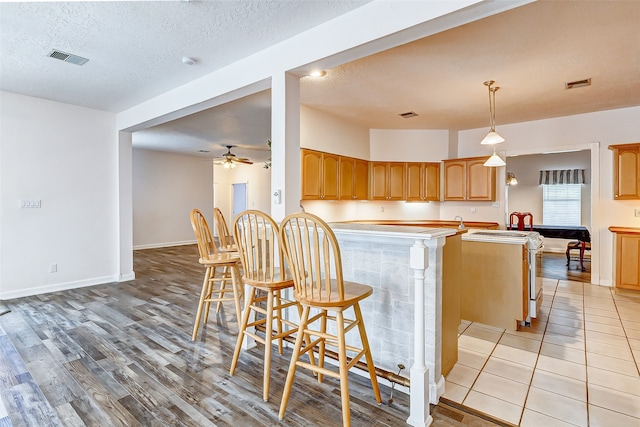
column 256, row 234
column 313, row 256
column 212, row 259
column 227, row 243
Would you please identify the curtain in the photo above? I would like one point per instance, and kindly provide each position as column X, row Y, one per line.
column 562, row 176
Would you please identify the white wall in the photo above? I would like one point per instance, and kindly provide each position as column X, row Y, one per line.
column 166, row 187
column 65, row 156
column 324, row 132
column 409, row 145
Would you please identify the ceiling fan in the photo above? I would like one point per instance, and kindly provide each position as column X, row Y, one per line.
column 229, row 160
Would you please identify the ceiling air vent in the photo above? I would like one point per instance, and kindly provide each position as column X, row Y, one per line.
column 578, row 83
column 67, row 57
column 408, row 115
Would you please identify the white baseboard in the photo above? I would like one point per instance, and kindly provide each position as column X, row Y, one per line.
column 164, row 245
column 57, row 287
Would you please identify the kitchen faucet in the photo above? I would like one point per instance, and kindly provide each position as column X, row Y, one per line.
column 461, row 226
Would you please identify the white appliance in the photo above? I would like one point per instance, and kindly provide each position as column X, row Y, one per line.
column 534, row 242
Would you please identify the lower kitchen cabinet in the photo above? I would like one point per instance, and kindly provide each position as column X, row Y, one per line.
column 494, row 281
column 627, row 257
column 451, row 275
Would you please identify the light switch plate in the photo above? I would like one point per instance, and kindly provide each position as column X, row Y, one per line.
column 29, row 203
column 636, row 212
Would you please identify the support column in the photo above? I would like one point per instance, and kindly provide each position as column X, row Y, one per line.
column 285, row 145
column 125, row 207
column 433, row 317
column 419, row 397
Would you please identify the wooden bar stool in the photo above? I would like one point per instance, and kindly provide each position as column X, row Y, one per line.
column 214, row 260
column 313, row 256
column 227, row 242
column 256, row 234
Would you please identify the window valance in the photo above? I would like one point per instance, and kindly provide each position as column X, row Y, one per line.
column 562, row 176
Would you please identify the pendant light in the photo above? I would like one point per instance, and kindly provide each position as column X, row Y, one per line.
column 492, row 137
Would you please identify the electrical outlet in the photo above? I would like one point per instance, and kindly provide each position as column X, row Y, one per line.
column 381, row 208
column 636, row 212
column 53, row 267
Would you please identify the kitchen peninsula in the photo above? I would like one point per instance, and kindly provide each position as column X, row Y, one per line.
column 404, row 316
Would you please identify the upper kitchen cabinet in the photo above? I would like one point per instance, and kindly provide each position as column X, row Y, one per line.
column 423, row 181
column 469, row 179
column 626, row 169
column 354, row 179
column 388, row 180
column 319, row 175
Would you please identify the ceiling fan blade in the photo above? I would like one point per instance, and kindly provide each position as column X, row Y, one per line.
column 242, row 160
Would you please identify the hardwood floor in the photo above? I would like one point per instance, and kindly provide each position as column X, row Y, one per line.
column 554, row 266
column 121, row 354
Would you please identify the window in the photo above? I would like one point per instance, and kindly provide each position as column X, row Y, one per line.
column 561, row 204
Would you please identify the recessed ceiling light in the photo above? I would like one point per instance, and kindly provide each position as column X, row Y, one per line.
column 578, row 83
column 408, row 114
column 318, row 73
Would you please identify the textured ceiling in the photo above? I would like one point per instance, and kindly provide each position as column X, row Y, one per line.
column 135, row 49
column 530, row 51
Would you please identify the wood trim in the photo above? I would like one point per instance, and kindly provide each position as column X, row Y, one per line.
column 626, row 230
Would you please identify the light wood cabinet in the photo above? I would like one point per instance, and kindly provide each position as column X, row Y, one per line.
column 451, row 275
column 627, row 257
column 495, row 283
column 319, row 175
column 388, row 180
column 469, row 179
column 626, row 170
column 354, row 179
column 423, row 181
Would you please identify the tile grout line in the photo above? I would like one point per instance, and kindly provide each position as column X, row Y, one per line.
column 533, row 372
column 586, row 371
column 624, row 330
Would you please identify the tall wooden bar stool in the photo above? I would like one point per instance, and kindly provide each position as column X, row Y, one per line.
column 213, row 260
column 227, row 242
column 313, row 256
column 256, row 234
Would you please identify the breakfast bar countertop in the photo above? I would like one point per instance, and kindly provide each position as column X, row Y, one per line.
column 430, row 223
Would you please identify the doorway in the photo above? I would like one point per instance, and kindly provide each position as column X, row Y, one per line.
column 526, row 196
column 239, row 198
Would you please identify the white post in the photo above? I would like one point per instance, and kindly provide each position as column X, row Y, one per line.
column 433, row 318
column 419, row 398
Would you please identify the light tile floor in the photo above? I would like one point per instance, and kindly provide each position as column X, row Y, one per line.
column 577, row 365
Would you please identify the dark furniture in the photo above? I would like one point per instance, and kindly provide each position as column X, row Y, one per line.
column 579, row 233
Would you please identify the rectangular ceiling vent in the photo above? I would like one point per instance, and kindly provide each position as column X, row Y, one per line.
column 67, row 57
column 408, row 115
column 578, row 83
